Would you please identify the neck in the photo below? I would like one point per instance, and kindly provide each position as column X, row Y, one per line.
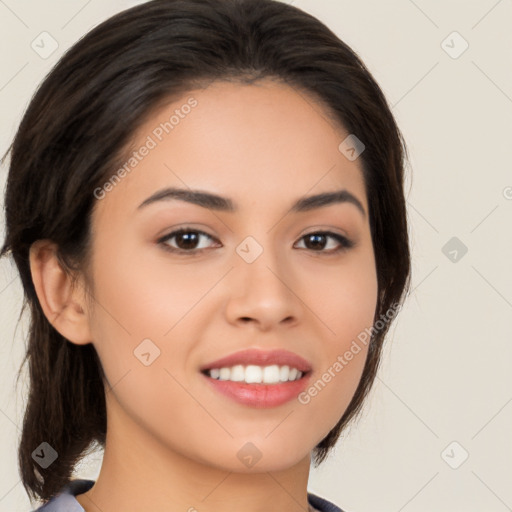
column 140, row 473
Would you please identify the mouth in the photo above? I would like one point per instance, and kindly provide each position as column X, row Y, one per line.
column 258, row 378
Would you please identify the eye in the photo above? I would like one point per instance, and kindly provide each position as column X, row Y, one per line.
column 317, row 241
column 187, row 240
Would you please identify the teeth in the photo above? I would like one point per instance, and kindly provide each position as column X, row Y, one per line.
column 224, row 373
column 256, row 374
column 237, row 373
column 271, row 374
column 253, row 374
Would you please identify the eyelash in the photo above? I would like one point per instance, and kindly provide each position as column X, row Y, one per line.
column 345, row 243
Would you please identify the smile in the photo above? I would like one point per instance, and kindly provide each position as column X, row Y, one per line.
column 252, row 374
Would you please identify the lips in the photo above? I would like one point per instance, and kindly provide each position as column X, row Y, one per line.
column 261, row 358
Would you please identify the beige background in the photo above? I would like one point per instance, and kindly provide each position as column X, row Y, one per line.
column 446, row 373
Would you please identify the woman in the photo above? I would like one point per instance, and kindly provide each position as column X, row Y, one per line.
column 205, row 204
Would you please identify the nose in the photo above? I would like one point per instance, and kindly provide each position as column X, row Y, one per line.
column 260, row 293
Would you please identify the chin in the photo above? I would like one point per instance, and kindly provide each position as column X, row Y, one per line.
column 258, row 455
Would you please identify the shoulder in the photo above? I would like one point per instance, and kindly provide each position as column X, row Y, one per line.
column 64, row 500
column 321, row 504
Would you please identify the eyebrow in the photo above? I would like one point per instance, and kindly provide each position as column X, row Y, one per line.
column 219, row 203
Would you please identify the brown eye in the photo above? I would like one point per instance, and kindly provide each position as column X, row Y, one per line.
column 186, row 240
column 318, row 241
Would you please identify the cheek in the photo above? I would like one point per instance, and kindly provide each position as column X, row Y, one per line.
column 145, row 307
column 344, row 296
column 345, row 302
column 330, row 391
column 143, row 296
column 334, row 382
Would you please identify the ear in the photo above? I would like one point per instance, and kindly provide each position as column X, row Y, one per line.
column 64, row 307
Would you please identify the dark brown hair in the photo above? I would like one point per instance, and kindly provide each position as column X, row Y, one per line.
column 74, row 135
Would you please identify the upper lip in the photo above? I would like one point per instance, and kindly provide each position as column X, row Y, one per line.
column 261, row 358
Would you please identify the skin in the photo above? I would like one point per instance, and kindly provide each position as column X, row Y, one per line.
column 172, row 441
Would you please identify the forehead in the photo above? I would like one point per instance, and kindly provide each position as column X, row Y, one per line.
column 261, row 142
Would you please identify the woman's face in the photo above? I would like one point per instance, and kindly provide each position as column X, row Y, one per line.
column 259, row 275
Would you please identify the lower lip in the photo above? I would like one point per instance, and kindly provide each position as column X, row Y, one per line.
column 260, row 395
